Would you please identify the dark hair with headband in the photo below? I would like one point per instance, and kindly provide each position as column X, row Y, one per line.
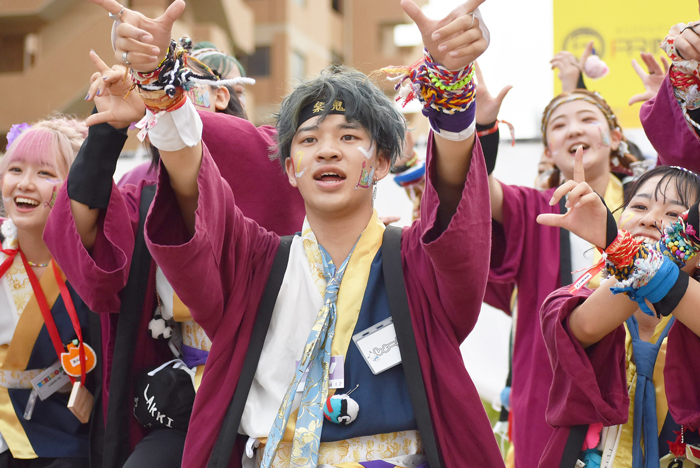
column 620, row 159
column 687, row 184
column 361, row 101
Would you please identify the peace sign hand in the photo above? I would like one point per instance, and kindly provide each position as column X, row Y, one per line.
column 142, row 42
column 454, row 41
column 110, row 90
column 587, row 216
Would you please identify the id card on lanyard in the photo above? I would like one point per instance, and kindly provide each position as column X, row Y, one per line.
column 76, row 361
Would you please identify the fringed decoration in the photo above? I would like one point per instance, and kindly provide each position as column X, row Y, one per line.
column 435, row 86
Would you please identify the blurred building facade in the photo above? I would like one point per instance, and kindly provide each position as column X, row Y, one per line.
column 44, row 65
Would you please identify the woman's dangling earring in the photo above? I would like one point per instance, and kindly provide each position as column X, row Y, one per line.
column 374, row 192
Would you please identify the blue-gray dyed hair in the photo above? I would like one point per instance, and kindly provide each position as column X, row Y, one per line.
column 364, row 101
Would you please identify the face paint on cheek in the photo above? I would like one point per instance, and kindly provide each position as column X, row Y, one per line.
column 296, row 163
column 604, row 138
column 200, row 97
column 366, row 178
column 49, row 204
column 366, row 152
column 627, row 218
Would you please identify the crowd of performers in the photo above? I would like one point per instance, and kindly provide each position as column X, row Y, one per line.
column 176, row 319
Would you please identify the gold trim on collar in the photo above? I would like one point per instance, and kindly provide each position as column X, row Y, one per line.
column 29, row 325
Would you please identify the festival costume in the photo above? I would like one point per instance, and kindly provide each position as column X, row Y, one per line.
column 102, row 273
column 230, row 256
column 673, row 139
column 598, row 384
column 26, row 349
column 530, row 255
column 677, row 144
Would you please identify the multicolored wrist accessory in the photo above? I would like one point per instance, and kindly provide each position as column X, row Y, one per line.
column 679, row 241
column 164, row 89
column 684, row 75
column 434, row 85
column 442, row 92
column 650, row 272
column 642, row 272
column 686, row 89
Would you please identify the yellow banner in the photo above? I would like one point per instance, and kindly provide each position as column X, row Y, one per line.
column 620, row 30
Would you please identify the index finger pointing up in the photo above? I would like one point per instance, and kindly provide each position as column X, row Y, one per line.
column 99, row 64
column 112, row 6
column 579, row 175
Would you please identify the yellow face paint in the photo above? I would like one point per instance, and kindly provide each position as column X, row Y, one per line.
column 629, row 216
column 296, row 160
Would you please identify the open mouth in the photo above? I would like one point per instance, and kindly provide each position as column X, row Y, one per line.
column 646, row 239
column 329, row 177
column 26, row 203
column 574, row 147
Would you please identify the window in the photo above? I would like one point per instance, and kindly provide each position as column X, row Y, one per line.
column 257, row 64
column 12, row 56
column 386, row 40
column 298, row 66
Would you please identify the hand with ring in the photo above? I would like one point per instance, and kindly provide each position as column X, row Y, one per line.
column 141, row 42
column 111, row 93
column 653, row 80
column 456, row 40
column 687, row 40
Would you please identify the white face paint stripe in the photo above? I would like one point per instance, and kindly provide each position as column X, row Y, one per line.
column 366, row 152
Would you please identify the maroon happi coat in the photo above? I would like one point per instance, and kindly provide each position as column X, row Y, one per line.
column 221, row 271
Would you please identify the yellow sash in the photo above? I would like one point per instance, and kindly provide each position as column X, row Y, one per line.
column 15, row 357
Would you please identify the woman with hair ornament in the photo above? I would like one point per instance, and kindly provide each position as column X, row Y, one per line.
column 47, row 333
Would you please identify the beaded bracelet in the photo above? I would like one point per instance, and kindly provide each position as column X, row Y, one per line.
column 679, row 241
column 435, row 86
column 163, row 89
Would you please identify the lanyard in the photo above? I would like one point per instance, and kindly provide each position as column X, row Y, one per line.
column 46, row 310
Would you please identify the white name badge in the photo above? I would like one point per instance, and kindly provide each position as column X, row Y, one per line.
column 336, row 373
column 50, row 381
column 379, row 346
